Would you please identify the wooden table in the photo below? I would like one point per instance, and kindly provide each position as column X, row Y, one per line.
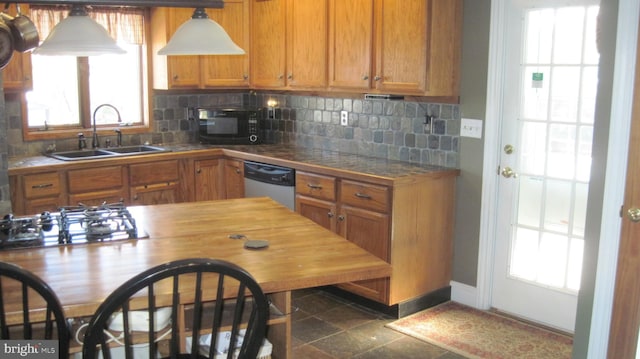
column 301, row 254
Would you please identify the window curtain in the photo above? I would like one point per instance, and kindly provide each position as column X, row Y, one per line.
column 124, row 24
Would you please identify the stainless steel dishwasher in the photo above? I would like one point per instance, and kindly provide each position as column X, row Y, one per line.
column 264, row 180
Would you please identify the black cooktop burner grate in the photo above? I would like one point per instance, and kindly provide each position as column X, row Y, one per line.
column 72, row 224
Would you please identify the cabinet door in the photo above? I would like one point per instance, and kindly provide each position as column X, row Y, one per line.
column 155, row 182
column 350, row 43
column 94, row 186
column 17, row 75
column 234, row 178
column 445, row 48
column 208, row 180
column 229, row 70
column 307, row 38
column 182, row 71
column 370, row 231
column 401, row 45
column 319, row 211
column 268, row 53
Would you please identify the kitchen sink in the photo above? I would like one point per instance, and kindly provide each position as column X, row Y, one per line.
column 136, row 149
column 106, row 152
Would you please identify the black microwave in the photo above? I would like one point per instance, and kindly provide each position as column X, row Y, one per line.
column 228, row 126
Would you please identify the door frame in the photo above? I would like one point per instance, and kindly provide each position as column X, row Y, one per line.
column 615, row 173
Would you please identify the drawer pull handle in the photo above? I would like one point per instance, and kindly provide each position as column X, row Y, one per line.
column 314, row 186
column 362, row 195
column 44, row 185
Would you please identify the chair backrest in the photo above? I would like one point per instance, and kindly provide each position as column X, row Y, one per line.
column 153, row 314
column 29, row 309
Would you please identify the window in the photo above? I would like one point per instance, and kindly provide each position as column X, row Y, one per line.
column 67, row 90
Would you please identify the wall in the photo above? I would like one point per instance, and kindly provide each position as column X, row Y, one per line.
column 473, row 97
column 377, row 128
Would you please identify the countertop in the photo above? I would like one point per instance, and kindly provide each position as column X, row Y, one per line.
column 300, row 158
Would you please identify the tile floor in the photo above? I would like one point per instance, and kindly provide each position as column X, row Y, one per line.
column 328, row 327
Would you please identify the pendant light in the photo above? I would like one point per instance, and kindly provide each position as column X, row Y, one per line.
column 78, row 35
column 201, row 36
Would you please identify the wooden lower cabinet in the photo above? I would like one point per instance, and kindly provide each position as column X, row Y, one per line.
column 409, row 224
column 95, row 186
column 155, row 183
column 234, row 178
column 208, row 179
column 36, row 193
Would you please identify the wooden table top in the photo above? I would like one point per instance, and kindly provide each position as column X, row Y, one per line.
column 301, row 254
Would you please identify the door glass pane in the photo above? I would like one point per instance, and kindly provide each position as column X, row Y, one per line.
column 552, row 259
column 523, row 263
column 535, row 102
column 530, row 201
column 539, row 32
column 533, row 143
column 561, row 156
column 565, row 90
column 569, row 27
column 558, row 209
column 580, row 209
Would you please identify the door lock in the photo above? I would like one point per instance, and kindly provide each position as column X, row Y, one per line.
column 508, row 149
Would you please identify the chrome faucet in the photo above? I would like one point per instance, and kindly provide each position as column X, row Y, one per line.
column 95, row 143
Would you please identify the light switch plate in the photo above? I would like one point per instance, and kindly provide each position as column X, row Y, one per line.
column 470, row 127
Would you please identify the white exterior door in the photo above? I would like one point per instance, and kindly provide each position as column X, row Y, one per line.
column 548, row 104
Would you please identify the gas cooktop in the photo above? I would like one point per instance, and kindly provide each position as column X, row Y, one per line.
column 71, row 225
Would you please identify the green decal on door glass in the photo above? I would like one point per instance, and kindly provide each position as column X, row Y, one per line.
column 536, row 80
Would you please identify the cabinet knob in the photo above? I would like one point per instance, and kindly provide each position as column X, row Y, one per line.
column 290, row 77
column 246, row 77
column 340, row 218
column 377, row 78
column 199, row 170
column 280, row 77
column 237, row 170
column 330, row 214
column 175, row 77
column 135, row 198
column 365, row 77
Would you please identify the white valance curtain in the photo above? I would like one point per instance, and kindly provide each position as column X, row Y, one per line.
column 124, row 24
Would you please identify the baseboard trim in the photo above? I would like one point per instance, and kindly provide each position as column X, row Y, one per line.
column 397, row 310
column 464, row 294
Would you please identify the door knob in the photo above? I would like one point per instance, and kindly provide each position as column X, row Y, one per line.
column 507, row 172
column 634, row 214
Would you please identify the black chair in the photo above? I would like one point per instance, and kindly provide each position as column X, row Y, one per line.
column 24, row 298
column 213, row 308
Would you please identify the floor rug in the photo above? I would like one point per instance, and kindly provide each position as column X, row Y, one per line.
column 478, row 334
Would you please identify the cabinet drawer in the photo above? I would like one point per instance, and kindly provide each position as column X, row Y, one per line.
column 364, row 195
column 154, row 172
column 95, row 179
column 41, row 185
column 314, row 185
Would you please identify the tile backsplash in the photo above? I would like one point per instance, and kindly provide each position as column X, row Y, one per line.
column 393, row 129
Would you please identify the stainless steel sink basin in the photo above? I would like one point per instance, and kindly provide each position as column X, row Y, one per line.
column 106, row 152
column 136, row 149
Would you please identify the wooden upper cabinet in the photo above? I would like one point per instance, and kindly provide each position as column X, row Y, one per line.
column 17, row 76
column 401, row 45
column 307, row 43
column 350, row 43
column 268, row 54
column 190, row 72
column 229, row 70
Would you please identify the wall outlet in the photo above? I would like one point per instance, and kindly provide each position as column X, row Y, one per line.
column 344, row 118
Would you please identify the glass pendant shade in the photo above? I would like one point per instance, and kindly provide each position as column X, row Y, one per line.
column 78, row 35
column 201, row 36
